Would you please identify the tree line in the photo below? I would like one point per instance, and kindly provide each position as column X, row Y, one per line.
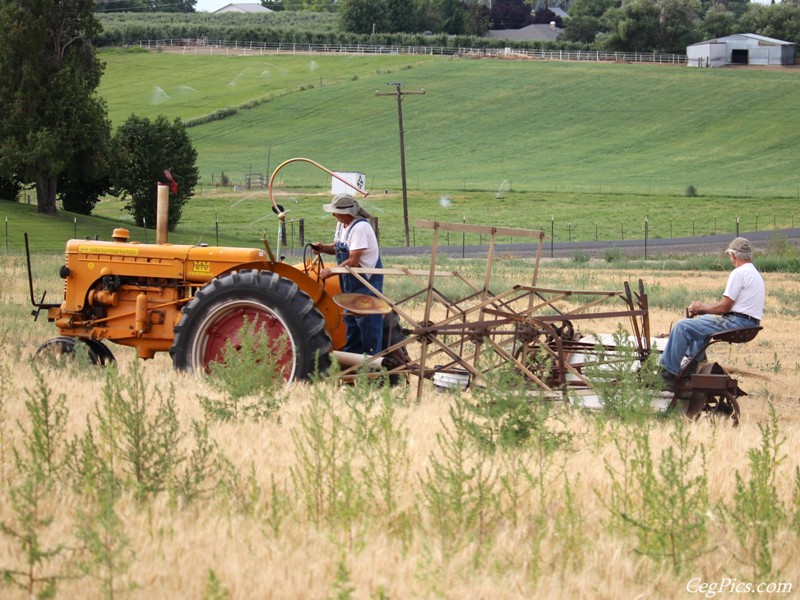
column 613, row 25
column 671, row 25
column 55, row 133
column 54, row 130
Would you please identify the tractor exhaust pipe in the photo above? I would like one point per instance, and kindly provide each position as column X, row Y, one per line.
column 162, row 213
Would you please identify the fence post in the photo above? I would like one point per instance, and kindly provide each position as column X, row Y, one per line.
column 552, row 234
column 646, row 231
column 375, row 227
column 462, row 237
column 737, row 226
column 301, row 233
column 216, row 224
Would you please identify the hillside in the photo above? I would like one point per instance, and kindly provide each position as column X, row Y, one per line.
column 482, row 124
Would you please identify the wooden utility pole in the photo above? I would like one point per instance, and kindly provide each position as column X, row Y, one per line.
column 400, row 95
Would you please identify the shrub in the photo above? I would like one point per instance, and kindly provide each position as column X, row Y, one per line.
column 612, row 255
column 248, row 377
column 580, row 256
column 9, row 189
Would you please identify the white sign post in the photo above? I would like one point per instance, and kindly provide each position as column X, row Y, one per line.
column 359, row 180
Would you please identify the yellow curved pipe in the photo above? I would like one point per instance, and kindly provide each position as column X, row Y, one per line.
column 316, row 164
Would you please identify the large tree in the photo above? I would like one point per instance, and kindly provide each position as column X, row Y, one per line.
column 653, row 25
column 48, row 76
column 364, row 16
column 144, row 150
column 450, row 15
column 9, row 188
column 511, row 14
column 780, row 21
column 718, row 22
column 381, row 16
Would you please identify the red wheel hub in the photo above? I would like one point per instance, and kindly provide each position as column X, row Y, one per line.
column 226, row 330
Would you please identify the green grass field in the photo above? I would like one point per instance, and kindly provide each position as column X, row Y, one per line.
column 483, row 124
column 591, row 149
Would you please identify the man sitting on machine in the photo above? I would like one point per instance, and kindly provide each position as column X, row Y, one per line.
column 741, row 305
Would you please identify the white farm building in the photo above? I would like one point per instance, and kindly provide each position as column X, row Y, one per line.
column 740, row 49
column 242, row 8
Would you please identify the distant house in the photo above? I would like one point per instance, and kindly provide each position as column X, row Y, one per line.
column 530, row 33
column 740, row 49
column 250, row 7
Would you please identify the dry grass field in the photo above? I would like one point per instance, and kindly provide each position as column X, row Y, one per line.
column 360, row 493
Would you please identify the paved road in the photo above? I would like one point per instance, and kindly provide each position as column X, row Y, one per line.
column 708, row 244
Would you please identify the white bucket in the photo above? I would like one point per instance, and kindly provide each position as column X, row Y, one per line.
column 453, row 380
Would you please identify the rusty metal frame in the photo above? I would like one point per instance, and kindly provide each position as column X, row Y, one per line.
column 484, row 329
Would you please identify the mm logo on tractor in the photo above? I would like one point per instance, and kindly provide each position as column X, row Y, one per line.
column 201, row 267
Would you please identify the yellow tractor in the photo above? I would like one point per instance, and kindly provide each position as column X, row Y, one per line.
column 192, row 300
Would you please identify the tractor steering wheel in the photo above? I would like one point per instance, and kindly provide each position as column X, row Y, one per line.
column 315, row 263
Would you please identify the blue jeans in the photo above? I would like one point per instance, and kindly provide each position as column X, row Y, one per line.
column 364, row 332
column 689, row 335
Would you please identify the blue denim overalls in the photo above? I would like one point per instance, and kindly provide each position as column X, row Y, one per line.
column 364, row 333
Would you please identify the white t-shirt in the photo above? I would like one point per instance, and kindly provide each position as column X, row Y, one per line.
column 746, row 288
column 359, row 236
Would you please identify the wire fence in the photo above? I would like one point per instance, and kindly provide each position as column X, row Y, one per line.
column 575, row 236
column 205, row 46
column 788, row 189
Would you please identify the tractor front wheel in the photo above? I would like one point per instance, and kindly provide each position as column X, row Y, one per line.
column 63, row 348
column 271, row 304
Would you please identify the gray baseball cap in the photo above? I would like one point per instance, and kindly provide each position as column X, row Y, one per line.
column 740, row 244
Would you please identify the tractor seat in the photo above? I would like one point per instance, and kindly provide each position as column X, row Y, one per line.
column 741, row 335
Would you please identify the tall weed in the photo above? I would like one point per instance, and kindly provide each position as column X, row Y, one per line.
column 325, row 479
column 105, row 552
column 30, row 493
column 30, row 500
column 134, row 436
column 460, row 487
column 47, row 418
column 248, row 378
column 664, row 504
column 757, row 510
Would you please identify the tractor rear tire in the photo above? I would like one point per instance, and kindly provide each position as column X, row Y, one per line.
column 276, row 305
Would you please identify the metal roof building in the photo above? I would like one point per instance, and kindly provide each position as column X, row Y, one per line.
column 243, row 8
column 740, row 49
